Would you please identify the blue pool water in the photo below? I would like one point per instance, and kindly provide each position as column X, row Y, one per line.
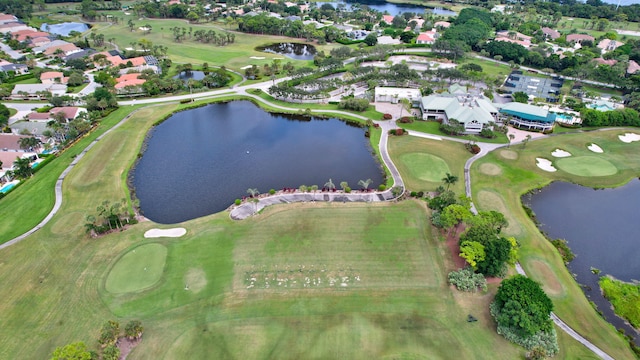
column 600, row 107
column 564, row 117
column 5, row 189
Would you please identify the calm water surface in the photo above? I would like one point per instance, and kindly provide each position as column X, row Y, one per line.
column 293, row 51
column 391, row 8
column 199, row 161
column 602, row 228
column 194, row 74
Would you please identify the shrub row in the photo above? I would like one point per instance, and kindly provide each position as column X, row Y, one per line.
column 466, row 280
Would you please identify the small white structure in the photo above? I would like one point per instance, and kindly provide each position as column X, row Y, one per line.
column 37, row 91
column 394, row 94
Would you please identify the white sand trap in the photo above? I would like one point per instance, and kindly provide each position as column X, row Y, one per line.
column 246, row 67
column 595, row 148
column 559, row 153
column 156, row 233
column 629, row 137
column 257, row 57
column 545, row 165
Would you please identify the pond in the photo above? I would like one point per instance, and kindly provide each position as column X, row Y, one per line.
column 64, row 29
column 601, row 228
column 195, row 75
column 199, row 161
column 392, row 8
column 293, row 51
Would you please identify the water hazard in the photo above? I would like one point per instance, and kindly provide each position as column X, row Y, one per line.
column 602, row 229
column 199, row 161
column 293, row 51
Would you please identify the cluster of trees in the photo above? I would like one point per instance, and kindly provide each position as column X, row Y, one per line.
column 590, row 9
column 354, row 104
column 210, row 36
column 619, row 117
column 263, row 24
column 522, row 311
column 109, row 216
column 109, row 336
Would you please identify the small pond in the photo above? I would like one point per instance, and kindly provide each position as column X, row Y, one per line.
column 195, row 75
column 64, row 29
column 199, row 161
column 293, row 51
column 391, row 8
column 601, row 228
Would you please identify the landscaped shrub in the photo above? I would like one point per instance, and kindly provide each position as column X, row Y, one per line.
column 399, row 132
column 382, row 187
column 387, row 117
column 473, row 148
column 354, row 104
column 272, row 191
column 413, row 194
column 466, row 280
column 488, row 134
column 347, row 189
column 238, row 202
column 406, row 119
column 392, row 132
column 185, row 101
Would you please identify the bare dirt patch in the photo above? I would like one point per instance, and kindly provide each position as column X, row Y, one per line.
column 490, row 169
column 509, row 154
column 551, row 285
column 126, row 346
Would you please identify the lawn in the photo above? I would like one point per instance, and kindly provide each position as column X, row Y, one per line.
column 233, row 56
column 423, row 162
column 433, row 127
column 515, row 171
column 489, row 67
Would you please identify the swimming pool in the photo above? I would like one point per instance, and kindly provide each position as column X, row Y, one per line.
column 564, row 118
column 7, row 187
column 601, row 107
column 36, row 163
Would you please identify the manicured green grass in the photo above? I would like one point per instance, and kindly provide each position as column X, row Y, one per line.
column 409, row 152
column 433, row 127
column 489, row 67
column 233, row 56
column 137, row 270
column 519, row 175
column 624, row 297
column 425, row 166
column 586, row 166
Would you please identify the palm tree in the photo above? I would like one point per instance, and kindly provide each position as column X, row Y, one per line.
column 525, row 141
column 344, row 185
column 511, row 138
column 23, row 168
column 28, row 143
column 133, row 330
column 365, row 184
column 330, row 185
column 253, row 192
column 449, row 180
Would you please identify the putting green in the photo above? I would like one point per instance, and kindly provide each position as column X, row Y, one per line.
column 138, row 269
column 425, row 167
column 586, row 166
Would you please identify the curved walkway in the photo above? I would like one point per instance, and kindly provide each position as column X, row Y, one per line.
column 58, row 187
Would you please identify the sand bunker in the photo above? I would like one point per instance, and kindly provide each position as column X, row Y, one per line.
column 509, row 154
column 629, row 137
column 246, row 67
column 257, row 57
column 595, row 148
column 559, row 153
column 545, row 165
column 156, row 233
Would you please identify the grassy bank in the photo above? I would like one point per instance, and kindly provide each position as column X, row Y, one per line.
column 516, row 173
column 433, row 127
column 624, row 297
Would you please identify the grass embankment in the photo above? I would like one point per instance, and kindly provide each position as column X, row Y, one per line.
column 624, row 297
column 433, row 127
column 516, row 173
column 489, row 67
column 395, row 301
column 423, row 162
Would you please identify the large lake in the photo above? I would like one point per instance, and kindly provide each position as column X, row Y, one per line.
column 602, row 228
column 391, row 8
column 199, row 161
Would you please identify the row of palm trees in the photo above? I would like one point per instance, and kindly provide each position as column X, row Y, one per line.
column 329, row 185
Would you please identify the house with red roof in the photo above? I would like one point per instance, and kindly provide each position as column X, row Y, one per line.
column 23, row 35
column 62, row 50
column 579, row 38
column 426, row 38
column 633, row 67
column 53, row 77
column 387, row 18
column 129, row 83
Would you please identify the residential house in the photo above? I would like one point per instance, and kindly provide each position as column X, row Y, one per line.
column 549, row 33
column 441, row 24
column 70, row 112
column 513, row 37
column 602, row 61
column 37, row 91
column 39, row 41
column 609, row 45
column 53, row 77
column 24, row 35
column 7, row 18
column 428, row 38
column 633, row 67
column 387, row 18
column 62, row 50
column 129, row 83
column 40, row 49
column 579, row 38
column 11, row 142
column 35, row 128
column 14, row 26
column 18, row 69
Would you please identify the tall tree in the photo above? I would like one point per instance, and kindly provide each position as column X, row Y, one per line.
column 449, row 180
